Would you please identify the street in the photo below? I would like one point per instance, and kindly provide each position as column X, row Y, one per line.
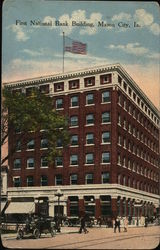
column 97, row 238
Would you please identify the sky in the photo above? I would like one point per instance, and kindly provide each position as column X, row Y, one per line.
column 115, row 32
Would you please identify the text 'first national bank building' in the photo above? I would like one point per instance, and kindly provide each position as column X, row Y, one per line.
column 111, row 163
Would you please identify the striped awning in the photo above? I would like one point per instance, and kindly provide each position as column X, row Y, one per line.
column 20, row 208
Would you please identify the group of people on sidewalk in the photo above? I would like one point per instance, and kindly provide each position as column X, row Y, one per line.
column 120, row 222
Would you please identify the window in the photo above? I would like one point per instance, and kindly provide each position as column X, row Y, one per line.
column 74, row 159
column 89, row 178
column 105, row 117
column 74, row 84
column 89, row 158
column 59, row 86
column 89, row 81
column 119, row 79
column 74, row 140
column 124, row 86
column 58, row 179
column 89, row 119
column 44, row 180
column 16, row 181
column 59, row 161
column 107, row 78
column 105, row 157
column 119, row 159
column 74, row 101
column 106, row 96
column 119, row 119
column 18, row 145
column 30, row 144
column 119, row 179
column 105, row 137
column 44, row 161
column 105, row 177
column 44, row 88
column 74, row 208
column 90, row 138
column 30, row 181
column 44, row 143
column 89, row 99
column 59, row 103
column 73, row 179
column 124, row 180
column 17, row 163
column 30, row 163
column 59, row 143
column 74, row 121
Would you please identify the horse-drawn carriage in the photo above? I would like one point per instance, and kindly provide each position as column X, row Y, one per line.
column 35, row 227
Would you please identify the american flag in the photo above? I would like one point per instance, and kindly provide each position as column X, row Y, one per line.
column 75, row 47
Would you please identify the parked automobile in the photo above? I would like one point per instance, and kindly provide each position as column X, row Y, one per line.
column 35, row 227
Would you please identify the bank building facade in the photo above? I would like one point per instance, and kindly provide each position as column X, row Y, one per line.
column 109, row 168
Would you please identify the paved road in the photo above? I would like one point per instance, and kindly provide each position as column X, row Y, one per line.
column 97, row 238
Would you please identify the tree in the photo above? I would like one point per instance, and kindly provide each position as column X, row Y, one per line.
column 32, row 113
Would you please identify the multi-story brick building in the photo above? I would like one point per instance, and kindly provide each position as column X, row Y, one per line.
column 111, row 165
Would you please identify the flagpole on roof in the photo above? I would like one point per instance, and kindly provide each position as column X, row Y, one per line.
column 63, row 49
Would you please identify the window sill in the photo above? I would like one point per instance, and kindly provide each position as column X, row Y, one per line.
column 104, row 143
column 74, row 107
column 73, row 165
column 74, row 146
column 105, row 123
column 74, row 126
column 89, row 164
column 43, row 148
column 88, row 125
column 44, row 167
column 59, row 108
column 30, row 168
column 92, row 104
column 106, row 102
column 89, row 144
column 30, row 149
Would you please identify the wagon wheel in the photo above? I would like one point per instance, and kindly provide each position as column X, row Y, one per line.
column 20, row 234
column 36, row 233
column 53, row 232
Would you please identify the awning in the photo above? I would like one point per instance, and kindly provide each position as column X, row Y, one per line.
column 20, row 208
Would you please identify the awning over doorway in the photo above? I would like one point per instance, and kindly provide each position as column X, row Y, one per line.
column 20, row 208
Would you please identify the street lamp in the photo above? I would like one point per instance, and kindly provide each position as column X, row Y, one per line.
column 58, row 194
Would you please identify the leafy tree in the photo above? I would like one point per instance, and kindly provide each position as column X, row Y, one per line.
column 32, row 113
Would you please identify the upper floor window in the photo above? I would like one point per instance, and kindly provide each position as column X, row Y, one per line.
column 105, row 177
column 59, row 103
column 74, row 121
column 89, row 99
column 89, row 81
column 74, row 159
column 105, row 137
column 105, row 157
column 44, row 161
column 74, row 84
column 90, row 138
column 17, row 163
column 73, row 179
column 30, row 144
column 58, row 86
column 89, row 158
column 89, row 178
column 90, row 119
column 44, row 180
column 74, row 140
column 59, row 142
column 59, row 161
column 106, row 96
column 18, row 145
column 44, row 143
column 44, row 88
column 107, row 78
column 17, row 181
column 58, row 179
column 30, row 163
column 105, row 117
column 74, row 101
column 30, row 181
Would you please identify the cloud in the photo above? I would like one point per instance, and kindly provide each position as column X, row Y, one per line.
column 131, row 48
column 121, row 16
column 143, row 17
column 146, row 19
column 21, row 36
column 155, row 28
column 34, row 53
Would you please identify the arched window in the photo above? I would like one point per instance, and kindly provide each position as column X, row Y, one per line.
column 124, row 180
column 119, row 179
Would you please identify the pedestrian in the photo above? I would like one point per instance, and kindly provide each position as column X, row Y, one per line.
column 125, row 224
column 83, row 226
column 117, row 224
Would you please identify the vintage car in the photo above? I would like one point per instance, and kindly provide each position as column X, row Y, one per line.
column 35, row 227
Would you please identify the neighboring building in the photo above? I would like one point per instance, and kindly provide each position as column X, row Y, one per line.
column 111, row 165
